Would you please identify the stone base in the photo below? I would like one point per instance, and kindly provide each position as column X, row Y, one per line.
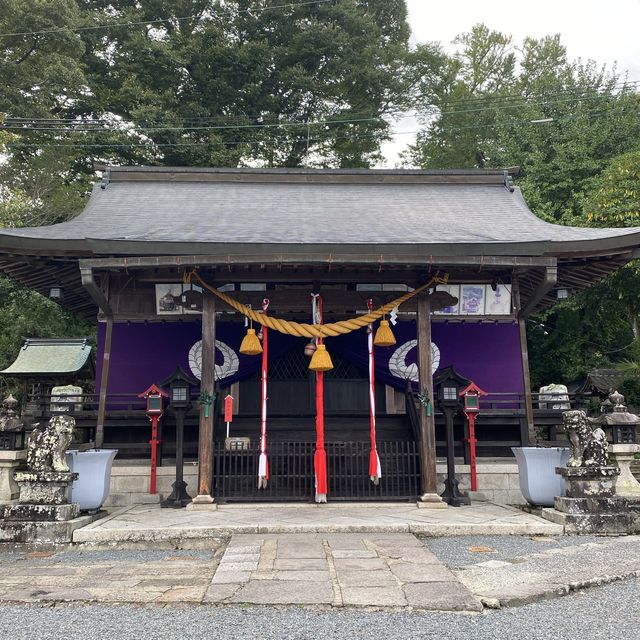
column 44, row 487
column 202, row 506
column 40, row 512
column 9, row 462
column 44, row 532
column 586, row 482
column 619, row 523
column 590, row 506
column 431, row 501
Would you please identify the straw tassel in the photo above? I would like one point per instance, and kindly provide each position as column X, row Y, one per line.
column 384, row 335
column 321, row 360
column 250, row 345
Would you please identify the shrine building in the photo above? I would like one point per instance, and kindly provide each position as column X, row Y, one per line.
column 172, row 261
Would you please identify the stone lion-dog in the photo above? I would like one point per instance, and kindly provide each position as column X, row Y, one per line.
column 588, row 445
column 46, row 445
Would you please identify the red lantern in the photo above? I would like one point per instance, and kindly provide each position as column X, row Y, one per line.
column 155, row 408
column 471, row 398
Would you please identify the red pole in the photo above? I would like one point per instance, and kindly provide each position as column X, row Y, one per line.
column 154, row 452
column 472, row 450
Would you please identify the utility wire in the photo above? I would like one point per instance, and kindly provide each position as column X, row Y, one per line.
column 152, row 144
column 577, row 95
column 24, row 124
column 291, row 5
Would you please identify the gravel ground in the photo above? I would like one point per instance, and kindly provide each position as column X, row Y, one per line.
column 593, row 614
column 455, row 551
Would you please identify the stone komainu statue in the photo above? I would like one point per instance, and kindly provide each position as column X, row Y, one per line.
column 47, row 445
column 589, row 446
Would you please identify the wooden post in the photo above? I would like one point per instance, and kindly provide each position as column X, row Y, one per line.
column 527, row 434
column 207, row 382
column 104, row 381
column 429, row 497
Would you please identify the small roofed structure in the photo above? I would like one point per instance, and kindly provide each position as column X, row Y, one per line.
column 50, row 370
column 600, row 382
column 51, row 358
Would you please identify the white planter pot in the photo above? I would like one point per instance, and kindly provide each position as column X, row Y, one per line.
column 539, row 482
column 93, row 467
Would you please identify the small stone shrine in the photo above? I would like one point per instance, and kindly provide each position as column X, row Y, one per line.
column 12, row 451
column 43, row 512
column 591, row 504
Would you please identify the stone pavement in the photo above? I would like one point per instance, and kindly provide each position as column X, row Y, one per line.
column 105, row 576
column 333, row 570
column 389, row 570
column 150, row 523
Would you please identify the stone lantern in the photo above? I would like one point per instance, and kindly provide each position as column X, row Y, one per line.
column 12, row 448
column 623, row 447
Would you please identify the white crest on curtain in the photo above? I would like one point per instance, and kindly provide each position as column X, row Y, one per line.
column 398, row 366
column 229, row 366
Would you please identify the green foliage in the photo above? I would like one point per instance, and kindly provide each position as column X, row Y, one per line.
column 615, row 200
column 579, row 166
column 41, row 75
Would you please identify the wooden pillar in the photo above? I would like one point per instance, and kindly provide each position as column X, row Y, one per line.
column 104, row 381
column 526, row 430
column 526, row 426
column 429, row 495
column 207, row 381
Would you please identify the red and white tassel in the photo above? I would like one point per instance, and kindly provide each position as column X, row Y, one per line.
column 263, row 462
column 375, row 471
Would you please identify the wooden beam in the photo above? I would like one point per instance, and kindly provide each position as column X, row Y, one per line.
column 415, row 255
column 86, row 274
column 547, row 283
column 207, row 384
column 427, row 442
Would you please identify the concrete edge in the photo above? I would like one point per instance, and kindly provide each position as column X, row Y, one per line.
column 555, row 592
column 96, row 535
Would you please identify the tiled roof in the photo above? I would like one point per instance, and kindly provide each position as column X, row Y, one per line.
column 50, row 356
column 438, row 211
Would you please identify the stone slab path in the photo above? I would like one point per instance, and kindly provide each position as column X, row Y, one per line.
column 380, row 570
column 150, row 523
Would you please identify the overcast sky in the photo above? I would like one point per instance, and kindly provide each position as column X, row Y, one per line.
column 606, row 31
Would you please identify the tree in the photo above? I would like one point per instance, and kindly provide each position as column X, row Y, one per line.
column 250, row 82
column 599, row 327
column 615, row 199
column 561, row 122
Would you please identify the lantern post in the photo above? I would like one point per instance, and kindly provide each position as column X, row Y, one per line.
column 471, row 407
column 449, row 384
column 179, row 384
column 154, row 396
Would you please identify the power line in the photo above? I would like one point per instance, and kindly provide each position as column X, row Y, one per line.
column 160, row 20
column 22, row 124
column 355, row 137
